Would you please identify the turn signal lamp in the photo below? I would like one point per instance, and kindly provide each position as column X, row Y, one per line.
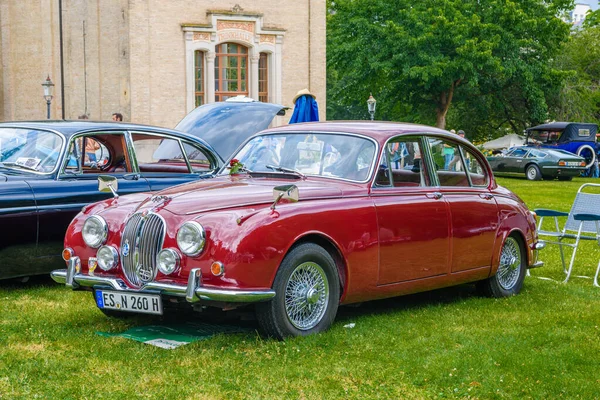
column 67, row 254
column 562, row 163
column 217, row 268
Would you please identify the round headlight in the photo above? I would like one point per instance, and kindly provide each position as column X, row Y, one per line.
column 167, row 261
column 108, row 257
column 94, row 231
column 191, row 238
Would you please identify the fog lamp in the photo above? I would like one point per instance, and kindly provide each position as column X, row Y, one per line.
column 108, row 257
column 167, row 261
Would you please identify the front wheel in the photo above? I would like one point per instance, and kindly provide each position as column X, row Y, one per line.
column 533, row 172
column 307, row 295
column 509, row 277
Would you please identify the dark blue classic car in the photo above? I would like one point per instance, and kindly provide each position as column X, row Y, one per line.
column 49, row 170
column 575, row 137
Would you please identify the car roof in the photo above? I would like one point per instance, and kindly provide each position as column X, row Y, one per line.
column 380, row 130
column 71, row 127
column 559, row 125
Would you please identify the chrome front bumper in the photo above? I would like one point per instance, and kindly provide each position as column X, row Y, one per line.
column 193, row 291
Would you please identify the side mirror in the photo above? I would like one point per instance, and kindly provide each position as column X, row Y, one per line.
column 289, row 193
column 108, row 184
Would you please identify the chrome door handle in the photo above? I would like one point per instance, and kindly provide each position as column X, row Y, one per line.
column 434, row 195
column 486, row 196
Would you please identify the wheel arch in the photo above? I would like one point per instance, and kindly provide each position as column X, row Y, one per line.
column 516, row 232
column 334, row 251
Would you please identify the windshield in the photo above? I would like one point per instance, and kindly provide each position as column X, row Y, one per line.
column 28, row 149
column 328, row 155
column 543, row 137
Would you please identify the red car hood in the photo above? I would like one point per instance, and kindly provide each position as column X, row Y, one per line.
column 227, row 192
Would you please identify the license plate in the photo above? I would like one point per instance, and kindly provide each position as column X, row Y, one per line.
column 132, row 302
column 573, row 164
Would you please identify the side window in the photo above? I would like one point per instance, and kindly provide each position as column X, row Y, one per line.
column 401, row 164
column 199, row 161
column 93, row 153
column 160, row 154
column 448, row 162
column 518, row 153
column 477, row 172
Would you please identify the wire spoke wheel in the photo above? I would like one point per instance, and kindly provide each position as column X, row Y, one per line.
column 306, row 295
column 510, row 264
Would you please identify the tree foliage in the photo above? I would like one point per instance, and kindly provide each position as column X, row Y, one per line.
column 579, row 97
column 418, row 58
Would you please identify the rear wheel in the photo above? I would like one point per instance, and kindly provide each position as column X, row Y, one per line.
column 586, row 151
column 509, row 277
column 533, row 172
column 307, row 294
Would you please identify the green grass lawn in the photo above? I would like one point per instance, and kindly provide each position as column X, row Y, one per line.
column 451, row 343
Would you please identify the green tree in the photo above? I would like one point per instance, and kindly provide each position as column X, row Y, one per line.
column 579, row 97
column 418, row 57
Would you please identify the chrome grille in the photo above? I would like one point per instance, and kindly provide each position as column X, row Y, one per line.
column 142, row 239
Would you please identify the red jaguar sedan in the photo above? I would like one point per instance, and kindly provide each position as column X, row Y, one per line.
column 304, row 218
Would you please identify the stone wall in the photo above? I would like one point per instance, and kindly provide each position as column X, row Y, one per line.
column 128, row 56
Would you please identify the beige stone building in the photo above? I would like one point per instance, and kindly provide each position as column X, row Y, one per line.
column 155, row 60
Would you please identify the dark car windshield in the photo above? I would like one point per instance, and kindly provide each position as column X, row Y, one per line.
column 28, row 149
column 317, row 154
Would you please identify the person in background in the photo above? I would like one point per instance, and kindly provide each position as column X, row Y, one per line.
column 117, row 117
column 455, row 164
column 448, row 153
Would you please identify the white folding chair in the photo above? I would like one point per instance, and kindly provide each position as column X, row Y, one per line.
column 583, row 223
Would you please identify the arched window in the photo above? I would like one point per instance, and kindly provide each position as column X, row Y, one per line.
column 199, row 77
column 231, row 71
column 263, row 77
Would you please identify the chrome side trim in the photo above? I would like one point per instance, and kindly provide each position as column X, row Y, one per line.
column 194, row 288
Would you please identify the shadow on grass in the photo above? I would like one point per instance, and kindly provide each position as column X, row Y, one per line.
column 27, row 283
column 408, row 302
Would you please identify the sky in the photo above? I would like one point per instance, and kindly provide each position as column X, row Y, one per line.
column 592, row 3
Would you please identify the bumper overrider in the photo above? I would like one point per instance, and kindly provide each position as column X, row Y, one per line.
column 193, row 291
column 536, row 247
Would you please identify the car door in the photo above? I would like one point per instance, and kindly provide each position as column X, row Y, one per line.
column 76, row 185
column 474, row 216
column 18, row 236
column 515, row 160
column 165, row 160
column 413, row 218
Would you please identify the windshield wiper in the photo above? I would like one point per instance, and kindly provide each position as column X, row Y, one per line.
column 288, row 170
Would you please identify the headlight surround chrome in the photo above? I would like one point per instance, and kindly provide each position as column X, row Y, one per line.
column 95, row 231
column 108, row 257
column 191, row 238
column 167, row 261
